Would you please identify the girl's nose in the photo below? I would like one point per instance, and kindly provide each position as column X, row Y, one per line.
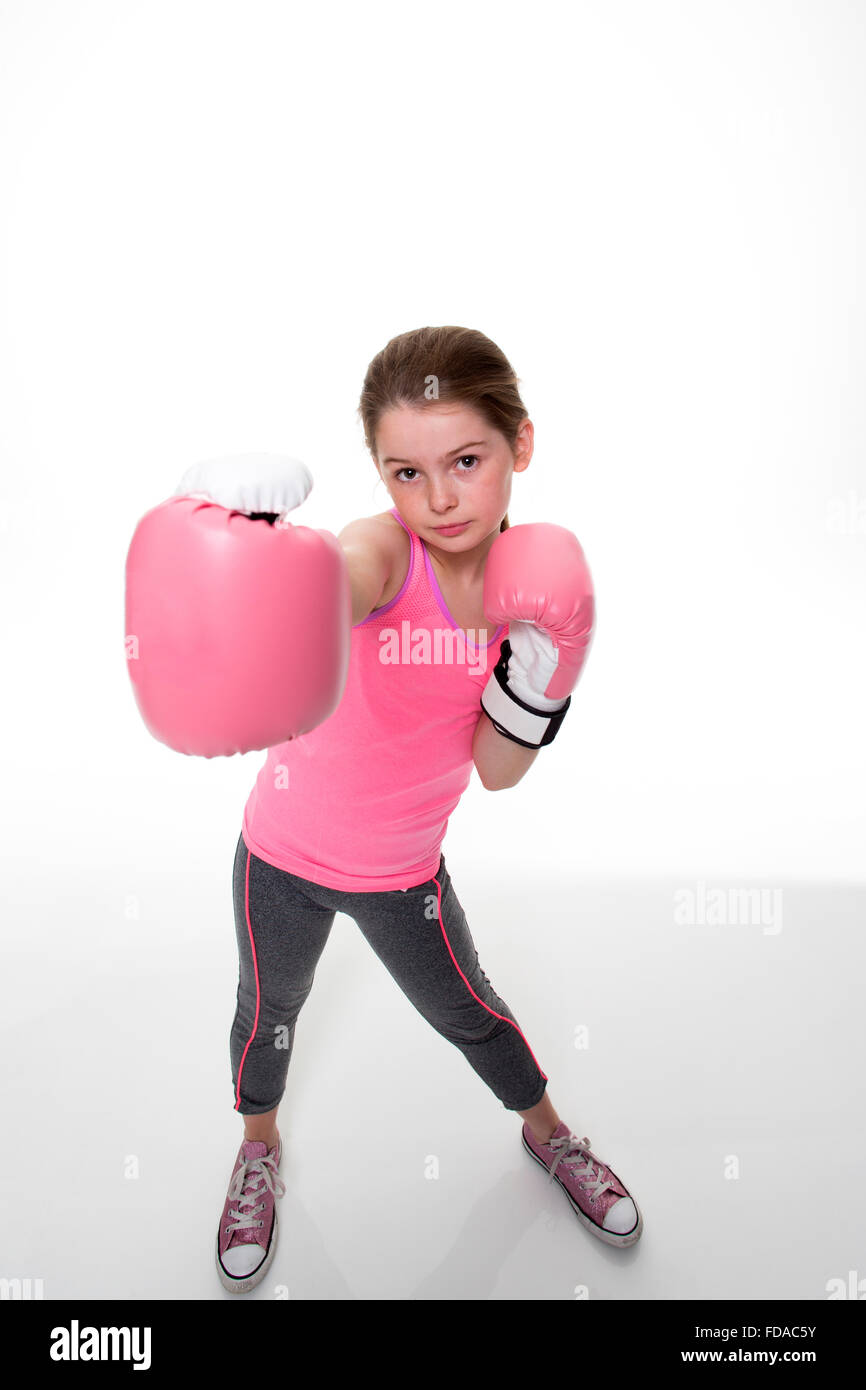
column 442, row 500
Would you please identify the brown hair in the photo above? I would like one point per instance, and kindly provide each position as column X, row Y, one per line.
column 467, row 367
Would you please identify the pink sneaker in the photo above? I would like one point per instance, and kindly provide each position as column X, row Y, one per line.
column 247, row 1237
column 598, row 1197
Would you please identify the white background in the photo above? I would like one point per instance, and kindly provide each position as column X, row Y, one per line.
column 213, row 216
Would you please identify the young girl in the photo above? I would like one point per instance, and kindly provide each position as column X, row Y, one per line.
column 351, row 816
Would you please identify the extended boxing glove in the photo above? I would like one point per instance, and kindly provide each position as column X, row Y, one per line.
column 537, row 580
column 238, row 623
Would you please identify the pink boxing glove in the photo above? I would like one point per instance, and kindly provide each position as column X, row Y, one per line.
column 238, row 623
column 537, row 580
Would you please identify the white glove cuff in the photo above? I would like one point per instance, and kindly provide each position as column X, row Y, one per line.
column 514, row 717
column 532, row 664
column 525, row 692
column 271, row 483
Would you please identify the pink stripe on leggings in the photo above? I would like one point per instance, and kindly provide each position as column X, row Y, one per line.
column 469, row 987
column 258, row 990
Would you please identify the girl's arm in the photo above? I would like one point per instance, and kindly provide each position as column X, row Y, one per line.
column 500, row 761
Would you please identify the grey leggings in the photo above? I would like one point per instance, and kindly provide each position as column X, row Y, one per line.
column 422, row 938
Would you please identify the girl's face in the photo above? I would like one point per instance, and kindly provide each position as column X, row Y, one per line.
column 444, row 465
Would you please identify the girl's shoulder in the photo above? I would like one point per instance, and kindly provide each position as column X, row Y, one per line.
column 399, row 553
column 383, row 529
column 384, row 534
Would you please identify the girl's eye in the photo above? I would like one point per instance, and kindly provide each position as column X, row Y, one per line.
column 414, row 470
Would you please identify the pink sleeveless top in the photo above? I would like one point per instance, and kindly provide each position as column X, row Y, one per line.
column 361, row 802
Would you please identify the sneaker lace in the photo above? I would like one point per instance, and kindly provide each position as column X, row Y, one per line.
column 248, row 1185
column 580, row 1164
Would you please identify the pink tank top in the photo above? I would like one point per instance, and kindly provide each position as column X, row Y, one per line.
column 362, row 801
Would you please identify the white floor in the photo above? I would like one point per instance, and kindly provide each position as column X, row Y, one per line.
column 721, row 1075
